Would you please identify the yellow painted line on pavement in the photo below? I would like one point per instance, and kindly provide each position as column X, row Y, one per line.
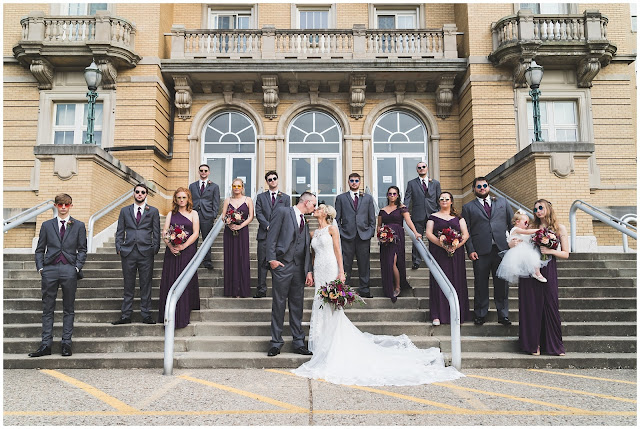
column 583, row 376
column 515, row 398
column 561, row 389
column 251, row 395
column 392, row 394
column 108, row 399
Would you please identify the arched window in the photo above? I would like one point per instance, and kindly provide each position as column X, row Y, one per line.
column 399, row 143
column 229, row 147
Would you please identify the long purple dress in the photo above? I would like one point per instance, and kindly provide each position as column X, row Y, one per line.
column 237, row 275
column 171, row 269
column 387, row 252
column 540, row 323
column 455, row 271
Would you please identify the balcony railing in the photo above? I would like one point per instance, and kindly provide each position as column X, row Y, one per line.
column 356, row 43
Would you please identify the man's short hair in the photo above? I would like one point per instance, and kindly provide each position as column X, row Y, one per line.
column 204, row 165
column 270, row 173
column 63, row 199
column 306, row 196
column 479, row 179
column 141, row 185
column 354, row 175
column 422, row 162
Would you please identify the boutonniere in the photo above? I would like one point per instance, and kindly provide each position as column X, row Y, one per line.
column 209, row 182
column 493, row 198
column 146, row 208
column 69, row 222
column 360, row 194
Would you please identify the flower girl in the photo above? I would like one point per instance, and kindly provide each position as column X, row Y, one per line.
column 523, row 260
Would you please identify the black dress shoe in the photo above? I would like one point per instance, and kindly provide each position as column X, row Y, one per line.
column 478, row 321
column 66, row 350
column 260, row 295
column 208, row 265
column 415, row 266
column 303, row 351
column 504, row 321
column 149, row 320
column 121, row 322
column 42, row 351
column 273, row 351
column 366, row 295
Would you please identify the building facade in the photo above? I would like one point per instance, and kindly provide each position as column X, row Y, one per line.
column 317, row 92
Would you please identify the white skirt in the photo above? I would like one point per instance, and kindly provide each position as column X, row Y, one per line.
column 520, row 261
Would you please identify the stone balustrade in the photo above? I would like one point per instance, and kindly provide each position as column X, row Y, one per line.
column 271, row 43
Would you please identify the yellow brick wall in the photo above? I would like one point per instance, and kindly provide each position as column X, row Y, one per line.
column 20, row 236
column 278, row 14
column 188, row 14
column 607, row 236
column 11, row 28
column 438, row 14
column 349, row 14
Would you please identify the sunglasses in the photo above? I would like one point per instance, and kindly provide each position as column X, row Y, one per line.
column 422, row 167
column 482, row 186
column 236, row 186
column 141, row 192
column 445, row 199
column 535, row 209
column 204, row 171
column 61, row 205
column 354, row 180
column 272, row 179
column 392, row 194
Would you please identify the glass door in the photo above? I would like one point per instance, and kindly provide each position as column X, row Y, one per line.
column 226, row 168
column 315, row 173
column 394, row 170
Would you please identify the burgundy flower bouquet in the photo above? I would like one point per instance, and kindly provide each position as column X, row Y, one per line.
column 545, row 238
column 338, row 294
column 386, row 235
column 450, row 238
column 176, row 234
column 234, row 217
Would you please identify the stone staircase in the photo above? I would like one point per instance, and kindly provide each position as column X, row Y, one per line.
column 597, row 305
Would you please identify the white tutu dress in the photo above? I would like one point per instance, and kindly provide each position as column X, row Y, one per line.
column 519, row 261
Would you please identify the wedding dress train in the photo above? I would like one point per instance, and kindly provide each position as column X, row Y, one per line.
column 342, row 354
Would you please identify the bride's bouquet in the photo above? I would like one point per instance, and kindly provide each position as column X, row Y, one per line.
column 338, row 294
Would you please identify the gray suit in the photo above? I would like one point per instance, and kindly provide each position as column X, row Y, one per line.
column 421, row 205
column 356, row 229
column 488, row 238
column 286, row 244
column 206, row 204
column 264, row 210
column 137, row 243
column 74, row 249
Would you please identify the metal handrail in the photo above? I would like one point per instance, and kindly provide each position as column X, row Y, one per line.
column 29, row 214
column 602, row 216
column 444, row 284
column 625, row 240
column 515, row 204
column 103, row 211
column 176, row 291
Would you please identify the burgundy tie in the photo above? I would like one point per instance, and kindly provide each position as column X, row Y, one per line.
column 273, row 199
column 61, row 257
column 139, row 215
column 301, row 223
column 424, row 186
column 202, row 188
column 487, row 208
column 62, row 229
column 355, row 202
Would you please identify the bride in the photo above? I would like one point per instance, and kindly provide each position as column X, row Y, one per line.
column 342, row 354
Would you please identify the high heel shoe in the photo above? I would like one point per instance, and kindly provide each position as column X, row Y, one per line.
column 537, row 352
column 540, row 278
column 436, row 322
column 396, row 293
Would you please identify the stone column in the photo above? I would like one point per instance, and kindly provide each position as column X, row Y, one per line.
column 103, row 26
column 36, row 26
column 177, row 41
column 450, row 45
column 268, row 42
column 359, row 41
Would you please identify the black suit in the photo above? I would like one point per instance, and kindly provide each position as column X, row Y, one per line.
column 206, row 204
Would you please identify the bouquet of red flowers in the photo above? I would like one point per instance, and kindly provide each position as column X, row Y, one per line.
column 450, row 238
column 234, row 217
column 338, row 294
column 544, row 237
column 386, row 235
column 176, row 234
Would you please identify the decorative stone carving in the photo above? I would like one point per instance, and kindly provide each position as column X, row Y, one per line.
column 42, row 70
column 444, row 96
column 227, row 90
column 334, row 86
column 358, row 97
column 314, row 89
column 380, row 84
column 293, row 86
column 247, row 86
column 587, row 69
column 271, row 95
column 421, row 86
column 184, row 93
column 519, row 69
column 65, row 166
column 401, row 86
column 206, row 86
column 109, row 73
column 561, row 164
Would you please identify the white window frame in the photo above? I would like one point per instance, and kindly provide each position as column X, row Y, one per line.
column 633, row 10
column 550, row 125
column 572, row 8
column 329, row 8
column 582, row 99
column 213, row 11
column 417, row 10
column 63, row 8
column 78, row 126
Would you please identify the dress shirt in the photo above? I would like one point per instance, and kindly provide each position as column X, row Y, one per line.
column 298, row 213
column 353, row 195
column 66, row 223
column 424, row 180
column 482, row 201
column 135, row 209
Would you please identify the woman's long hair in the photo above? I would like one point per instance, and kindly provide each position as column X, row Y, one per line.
column 549, row 219
column 237, row 179
column 452, row 209
column 399, row 200
column 176, row 207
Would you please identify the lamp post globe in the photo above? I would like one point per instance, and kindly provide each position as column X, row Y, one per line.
column 533, row 76
column 93, row 77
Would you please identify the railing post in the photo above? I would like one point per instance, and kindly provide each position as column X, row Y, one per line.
column 132, row 37
column 177, row 41
column 359, row 41
column 495, row 39
column 35, row 26
column 525, row 24
column 573, row 226
column 450, row 43
column 592, row 30
column 268, row 42
column 103, row 26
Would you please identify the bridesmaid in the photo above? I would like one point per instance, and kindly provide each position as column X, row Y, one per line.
column 176, row 258
column 237, row 275
column 453, row 267
column 392, row 259
column 539, row 326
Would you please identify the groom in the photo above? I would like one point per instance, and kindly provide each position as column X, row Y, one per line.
column 289, row 256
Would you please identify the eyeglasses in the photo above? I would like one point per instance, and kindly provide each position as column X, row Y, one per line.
column 141, row 192
column 354, row 180
column 392, row 194
column 60, row 205
column 540, row 208
column 236, row 186
column 422, row 167
column 272, row 179
column 445, row 199
column 484, row 185
column 204, row 171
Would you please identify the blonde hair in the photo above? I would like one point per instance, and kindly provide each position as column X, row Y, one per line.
column 549, row 219
column 237, row 179
column 329, row 211
column 519, row 214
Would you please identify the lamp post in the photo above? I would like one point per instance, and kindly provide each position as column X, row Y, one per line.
column 533, row 75
column 93, row 77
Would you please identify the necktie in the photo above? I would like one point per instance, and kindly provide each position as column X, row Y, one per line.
column 301, row 223
column 61, row 257
column 62, row 229
column 273, row 199
column 424, row 186
column 355, row 202
column 139, row 215
column 201, row 187
column 487, row 208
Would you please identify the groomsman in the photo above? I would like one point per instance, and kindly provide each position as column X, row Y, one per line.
column 356, row 218
column 488, row 220
column 60, row 254
column 137, row 242
column 421, row 197
column 267, row 203
column 206, row 201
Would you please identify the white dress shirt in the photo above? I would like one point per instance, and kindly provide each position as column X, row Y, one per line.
column 298, row 213
column 482, row 200
column 135, row 209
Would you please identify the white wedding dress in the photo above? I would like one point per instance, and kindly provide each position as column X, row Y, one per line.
column 342, row 354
